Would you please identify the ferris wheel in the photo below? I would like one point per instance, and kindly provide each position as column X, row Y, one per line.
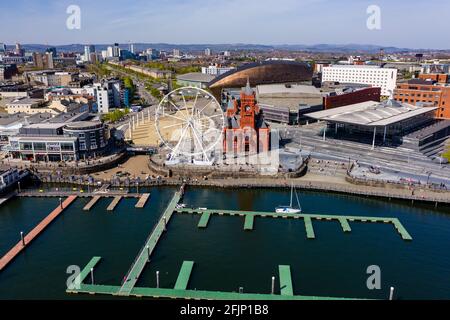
column 189, row 122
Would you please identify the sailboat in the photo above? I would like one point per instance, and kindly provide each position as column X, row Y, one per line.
column 290, row 209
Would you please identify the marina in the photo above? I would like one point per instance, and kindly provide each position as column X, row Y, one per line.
column 183, row 275
column 21, row 245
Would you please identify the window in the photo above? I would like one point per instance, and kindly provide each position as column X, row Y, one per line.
column 39, row 146
column 65, row 146
column 26, row 146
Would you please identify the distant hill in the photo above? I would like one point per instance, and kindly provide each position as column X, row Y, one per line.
column 319, row 48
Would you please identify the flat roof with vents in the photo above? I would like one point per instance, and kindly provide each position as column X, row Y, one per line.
column 371, row 113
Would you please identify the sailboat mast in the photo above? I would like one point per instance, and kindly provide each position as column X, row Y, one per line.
column 292, row 189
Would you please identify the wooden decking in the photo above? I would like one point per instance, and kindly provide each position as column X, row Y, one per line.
column 8, row 257
column 114, row 203
column 142, row 200
column 91, row 203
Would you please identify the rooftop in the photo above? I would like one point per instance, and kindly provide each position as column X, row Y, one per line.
column 196, row 76
column 25, row 100
column 371, row 113
column 270, row 89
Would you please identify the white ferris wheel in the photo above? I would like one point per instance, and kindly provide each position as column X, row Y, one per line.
column 189, row 122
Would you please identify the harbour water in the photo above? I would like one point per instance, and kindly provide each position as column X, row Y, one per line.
column 227, row 257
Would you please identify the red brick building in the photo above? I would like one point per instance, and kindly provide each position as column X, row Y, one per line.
column 357, row 96
column 433, row 95
column 435, row 77
column 245, row 130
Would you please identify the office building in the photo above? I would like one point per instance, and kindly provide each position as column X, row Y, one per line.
column 88, row 50
column 116, row 50
column 51, row 78
column 176, row 53
column 69, row 140
column 216, row 70
column 427, row 94
column 385, row 78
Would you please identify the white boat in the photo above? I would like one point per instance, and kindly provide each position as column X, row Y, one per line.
column 290, row 209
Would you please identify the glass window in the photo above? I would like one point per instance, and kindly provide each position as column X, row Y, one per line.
column 65, row 146
column 39, row 146
column 26, row 146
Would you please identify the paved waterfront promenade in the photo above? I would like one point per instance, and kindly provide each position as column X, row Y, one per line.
column 434, row 197
column 8, row 257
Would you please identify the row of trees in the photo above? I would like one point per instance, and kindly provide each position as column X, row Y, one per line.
column 116, row 115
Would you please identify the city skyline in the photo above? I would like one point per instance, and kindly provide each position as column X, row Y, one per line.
column 288, row 22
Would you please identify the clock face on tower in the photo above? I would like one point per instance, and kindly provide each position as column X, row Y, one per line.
column 247, row 108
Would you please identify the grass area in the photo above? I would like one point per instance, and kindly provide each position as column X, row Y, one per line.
column 446, row 154
column 99, row 69
column 115, row 115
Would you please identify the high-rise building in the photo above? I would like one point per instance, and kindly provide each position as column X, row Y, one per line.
column 110, row 52
column 19, row 51
column 207, row 52
column 49, row 58
column 132, row 48
column 51, row 50
column 176, row 53
column 2, row 47
column 87, row 52
column 43, row 61
column 116, row 50
column 38, row 60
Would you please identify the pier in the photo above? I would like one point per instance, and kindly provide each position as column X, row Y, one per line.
column 84, row 273
column 184, row 275
column 144, row 254
column 8, row 257
column 142, row 200
column 309, row 228
column 343, row 220
column 203, row 223
column 248, row 224
column 286, row 287
column 114, row 203
column 91, row 203
column 180, row 290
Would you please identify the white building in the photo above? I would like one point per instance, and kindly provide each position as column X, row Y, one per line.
column 176, row 53
column 207, row 52
column 107, row 94
column 375, row 76
column 87, row 52
column 110, row 52
column 216, row 71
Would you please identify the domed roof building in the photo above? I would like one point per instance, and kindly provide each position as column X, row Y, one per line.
column 265, row 72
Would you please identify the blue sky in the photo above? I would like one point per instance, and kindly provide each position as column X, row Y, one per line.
column 228, row 21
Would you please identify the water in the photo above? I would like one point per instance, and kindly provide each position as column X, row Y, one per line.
column 227, row 257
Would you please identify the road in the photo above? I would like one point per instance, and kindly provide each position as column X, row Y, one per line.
column 398, row 161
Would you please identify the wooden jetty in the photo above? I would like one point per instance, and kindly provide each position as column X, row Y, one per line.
column 91, row 203
column 142, row 200
column 114, row 203
column 8, row 257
